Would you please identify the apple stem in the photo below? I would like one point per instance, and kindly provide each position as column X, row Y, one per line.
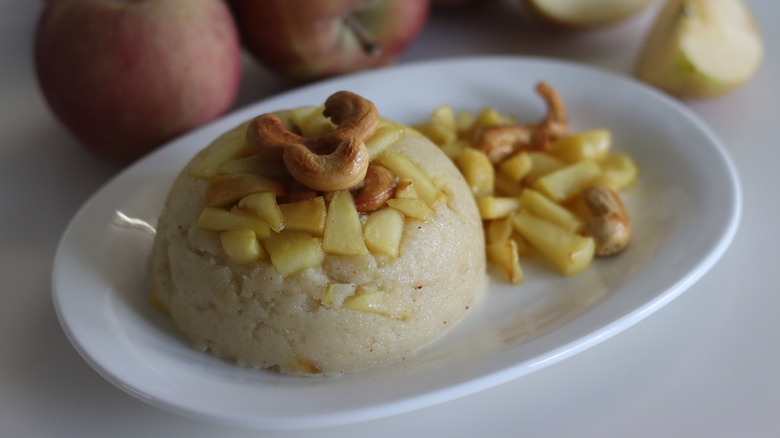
column 369, row 46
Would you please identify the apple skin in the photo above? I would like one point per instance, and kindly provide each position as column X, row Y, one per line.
column 125, row 76
column 304, row 40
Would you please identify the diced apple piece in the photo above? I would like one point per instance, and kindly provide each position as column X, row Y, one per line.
column 542, row 163
column 505, row 256
column 441, row 127
column 225, row 190
column 454, row 149
column 264, row 205
column 568, row 181
column 336, row 293
column 496, row 207
column 376, row 302
column 241, row 245
column 516, row 167
column 310, row 121
column 307, row 215
column 412, row 208
column 570, row 253
column 387, row 133
column 343, row 230
column 404, row 168
column 255, row 164
column 618, row 171
column 294, row 251
column 542, row 207
column 478, row 172
column 405, row 190
column 498, row 230
column 504, row 186
column 488, row 117
column 384, row 231
column 588, row 145
column 233, row 147
column 218, row 219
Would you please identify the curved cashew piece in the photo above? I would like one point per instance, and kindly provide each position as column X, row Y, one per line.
column 609, row 226
column 501, row 141
column 335, row 161
column 379, row 186
column 339, row 170
column 354, row 116
column 556, row 123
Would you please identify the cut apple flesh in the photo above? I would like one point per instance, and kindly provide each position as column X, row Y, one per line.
column 701, row 48
column 587, row 13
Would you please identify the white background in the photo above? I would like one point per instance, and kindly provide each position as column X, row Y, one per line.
column 705, row 365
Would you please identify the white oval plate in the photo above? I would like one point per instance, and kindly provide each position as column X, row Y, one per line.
column 685, row 210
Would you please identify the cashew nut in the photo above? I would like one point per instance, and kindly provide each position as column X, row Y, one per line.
column 556, row 123
column 609, row 226
column 378, row 187
column 339, row 170
column 335, row 161
column 501, row 141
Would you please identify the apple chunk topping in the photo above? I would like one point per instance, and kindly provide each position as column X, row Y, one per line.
column 264, row 211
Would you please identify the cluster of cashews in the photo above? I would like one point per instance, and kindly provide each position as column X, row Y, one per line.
column 338, row 160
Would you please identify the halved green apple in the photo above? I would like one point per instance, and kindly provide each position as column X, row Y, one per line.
column 701, row 48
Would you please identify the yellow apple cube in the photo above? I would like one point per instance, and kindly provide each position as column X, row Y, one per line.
column 405, row 169
column 241, row 245
column 516, row 167
column 412, row 208
column 564, row 183
column 505, row 186
column 336, row 293
column 384, row 231
column 542, row 163
column 264, row 204
column 376, row 302
column 441, row 127
column 306, row 215
column 218, row 219
column 588, row 145
column 387, row 133
column 496, row 207
column 294, row 251
column 255, row 164
column 570, row 253
column 498, row 230
column 506, row 257
column 226, row 190
column 542, row 207
column 310, row 121
column 478, row 172
column 617, row 172
column 343, row 229
column 454, row 149
column 234, row 145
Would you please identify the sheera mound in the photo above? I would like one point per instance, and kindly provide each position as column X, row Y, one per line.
column 318, row 241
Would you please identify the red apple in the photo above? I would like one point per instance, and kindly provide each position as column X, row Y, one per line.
column 312, row 39
column 125, row 76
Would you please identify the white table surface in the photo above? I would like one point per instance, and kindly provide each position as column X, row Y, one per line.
column 708, row 364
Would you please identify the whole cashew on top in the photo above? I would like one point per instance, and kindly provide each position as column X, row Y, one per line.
column 336, row 161
column 609, row 226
